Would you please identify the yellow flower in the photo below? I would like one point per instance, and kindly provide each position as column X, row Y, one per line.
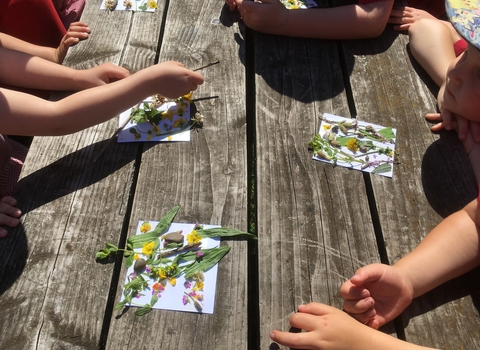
column 178, row 123
column 173, row 282
column 188, row 96
column 326, row 126
column 135, row 257
column 145, row 227
column 167, row 115
column 161, row 274
column 352, row 145
column 152, row 4
column 198, row 286
column 193, row 237
column 148, row 248
column 169, row 138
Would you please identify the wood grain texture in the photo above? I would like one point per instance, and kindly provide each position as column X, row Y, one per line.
column 314, row 225
column 53, row 290
column 432, row 180
column 206, row 176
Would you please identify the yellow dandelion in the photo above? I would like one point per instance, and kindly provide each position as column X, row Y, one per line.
column 169, row 138
column 326, row 126
column 173, row 282
column 135, row 257
column 352, row 145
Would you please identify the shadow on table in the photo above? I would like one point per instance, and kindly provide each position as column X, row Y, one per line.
column 306, row 70
column 13, row 259
column 457, row 288
column 447, row 176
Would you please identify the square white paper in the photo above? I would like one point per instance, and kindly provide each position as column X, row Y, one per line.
column 172, row 297
column 167, row 130
column 137, row 5
column 368, row 161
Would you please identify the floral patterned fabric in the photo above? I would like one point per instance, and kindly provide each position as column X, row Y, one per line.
column 465, row 17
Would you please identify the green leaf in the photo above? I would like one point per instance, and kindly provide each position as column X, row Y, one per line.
column 102, row 254
column 224, row 232
column 111, row 247
column 120, row 305
column 154, row 300
column 129, row 261
column 382, row 168
column 143, row 310
column 137, row 241
column 209, row 259
column 387, row 133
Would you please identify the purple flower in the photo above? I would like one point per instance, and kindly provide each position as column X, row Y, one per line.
column 185, row 300
column 187, row 284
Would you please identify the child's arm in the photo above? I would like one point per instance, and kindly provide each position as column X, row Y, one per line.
column 378, row 293
column 27, row 71
column 343, row 22
column 23, row 114
column 331, row 329
column 77, row 31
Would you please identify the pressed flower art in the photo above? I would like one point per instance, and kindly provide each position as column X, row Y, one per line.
column 298, row 4
column 129, row 5
column 157, row 119
column 173, row 266
column 355, row 144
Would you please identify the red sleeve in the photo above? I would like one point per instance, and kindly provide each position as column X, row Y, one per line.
column 35, row 21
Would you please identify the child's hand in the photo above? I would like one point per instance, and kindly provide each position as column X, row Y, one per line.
column 326, row 328
column 231, row 4
column 376, row 294
column 105, row 73
column 8, row 214
column 268, row 16
column 172, row 79
column 76, row 32
column 405, row 16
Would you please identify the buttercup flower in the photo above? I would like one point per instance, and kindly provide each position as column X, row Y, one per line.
column 148, row 248
column 152, row 4
column 145, row 227
column 193, row 237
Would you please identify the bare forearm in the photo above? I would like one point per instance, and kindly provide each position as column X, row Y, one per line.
column 450, row 250
column 12, row 43
column 28, row 115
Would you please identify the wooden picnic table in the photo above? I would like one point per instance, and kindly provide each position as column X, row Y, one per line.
column 249, row 168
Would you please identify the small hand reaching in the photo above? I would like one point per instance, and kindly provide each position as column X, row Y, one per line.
column 405, row 16
column 76, row 32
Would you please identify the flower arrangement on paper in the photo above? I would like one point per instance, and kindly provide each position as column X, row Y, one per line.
column 173, row 266
column 298, row 4
column 355, row 144
column 126, row 5
column 159, row 119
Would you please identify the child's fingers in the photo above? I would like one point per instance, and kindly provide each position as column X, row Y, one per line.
column 9, row 200
column 292, row 340
column 475, row 130
column 462, row 128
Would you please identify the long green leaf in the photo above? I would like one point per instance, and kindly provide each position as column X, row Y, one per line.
column 210, row 258
column 137, row 241
column 224, row 232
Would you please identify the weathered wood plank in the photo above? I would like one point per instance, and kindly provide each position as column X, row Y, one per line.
column 54, row 291
column 314, row 226
column 432, row 180
column 206, row 176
